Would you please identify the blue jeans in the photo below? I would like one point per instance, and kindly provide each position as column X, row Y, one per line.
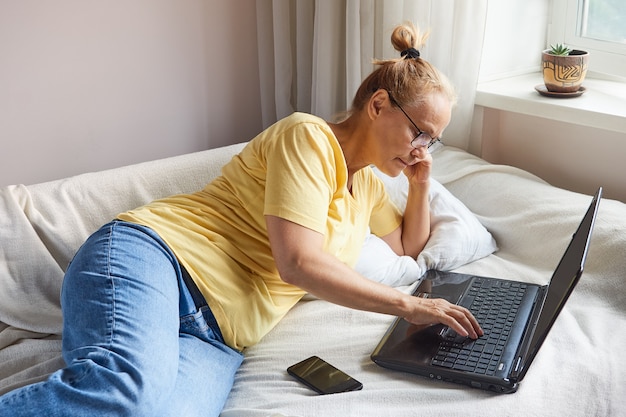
column 137, row 340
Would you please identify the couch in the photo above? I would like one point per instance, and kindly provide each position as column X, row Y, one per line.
column 521, row 228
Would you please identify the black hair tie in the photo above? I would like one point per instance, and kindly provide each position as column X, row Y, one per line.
column 410, row 53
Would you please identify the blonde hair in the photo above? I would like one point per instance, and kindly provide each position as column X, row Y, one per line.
column 409, row 79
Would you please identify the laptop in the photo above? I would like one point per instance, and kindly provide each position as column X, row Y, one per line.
column 515, row 316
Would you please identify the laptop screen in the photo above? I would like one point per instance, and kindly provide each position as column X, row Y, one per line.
column 564, row 279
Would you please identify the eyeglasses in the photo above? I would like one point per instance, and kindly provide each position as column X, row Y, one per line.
column 422, row 138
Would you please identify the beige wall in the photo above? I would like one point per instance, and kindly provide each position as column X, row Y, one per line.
column 89, row 84
column 567, row 155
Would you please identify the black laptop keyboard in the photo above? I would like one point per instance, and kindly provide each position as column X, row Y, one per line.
column 494, row 303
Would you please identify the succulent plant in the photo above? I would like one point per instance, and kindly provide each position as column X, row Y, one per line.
column 559, row 49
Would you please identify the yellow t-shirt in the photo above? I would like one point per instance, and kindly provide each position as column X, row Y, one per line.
column 295, row 170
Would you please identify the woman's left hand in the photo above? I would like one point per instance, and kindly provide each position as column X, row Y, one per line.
column 419, row 172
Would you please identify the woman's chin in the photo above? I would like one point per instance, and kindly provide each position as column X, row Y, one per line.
column 392, row 171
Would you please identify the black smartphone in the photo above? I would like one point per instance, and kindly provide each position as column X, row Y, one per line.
column 321, row 376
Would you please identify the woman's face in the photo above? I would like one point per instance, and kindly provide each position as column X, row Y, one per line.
column 395, row 131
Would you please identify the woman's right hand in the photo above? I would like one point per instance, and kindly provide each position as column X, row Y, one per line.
column 426, row 311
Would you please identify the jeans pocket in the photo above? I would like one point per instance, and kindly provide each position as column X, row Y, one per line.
column 194, row 324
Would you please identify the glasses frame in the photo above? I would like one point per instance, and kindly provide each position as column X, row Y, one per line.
column 423, row 138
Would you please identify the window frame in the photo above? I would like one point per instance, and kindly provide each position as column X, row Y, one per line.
column 607, row 58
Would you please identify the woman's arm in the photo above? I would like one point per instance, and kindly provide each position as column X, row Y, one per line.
column 301, row 261
column 412, row 235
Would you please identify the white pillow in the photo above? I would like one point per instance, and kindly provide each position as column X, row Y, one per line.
column 457, row 238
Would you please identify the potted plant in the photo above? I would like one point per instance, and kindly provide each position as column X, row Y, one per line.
column 564, row 69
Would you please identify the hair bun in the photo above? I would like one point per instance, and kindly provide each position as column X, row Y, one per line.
column 408, row 39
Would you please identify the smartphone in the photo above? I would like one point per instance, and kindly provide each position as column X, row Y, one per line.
column 321, row 376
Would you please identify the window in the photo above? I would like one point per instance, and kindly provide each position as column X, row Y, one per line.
column 597, row 26
column 604, row 20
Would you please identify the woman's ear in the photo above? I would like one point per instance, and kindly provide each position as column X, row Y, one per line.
column 377, row 102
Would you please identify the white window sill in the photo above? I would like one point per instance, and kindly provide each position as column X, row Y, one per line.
column 603, row 105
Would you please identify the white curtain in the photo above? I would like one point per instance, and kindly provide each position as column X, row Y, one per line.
column 313, row 54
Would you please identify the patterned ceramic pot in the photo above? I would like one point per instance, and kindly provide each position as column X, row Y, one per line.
column 564, row 74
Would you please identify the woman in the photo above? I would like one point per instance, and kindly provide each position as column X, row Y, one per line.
column 159, row 303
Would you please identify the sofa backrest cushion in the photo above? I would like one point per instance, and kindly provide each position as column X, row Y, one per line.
column 43, row 225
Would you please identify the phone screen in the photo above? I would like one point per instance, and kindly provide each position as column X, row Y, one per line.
column 323, row 377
